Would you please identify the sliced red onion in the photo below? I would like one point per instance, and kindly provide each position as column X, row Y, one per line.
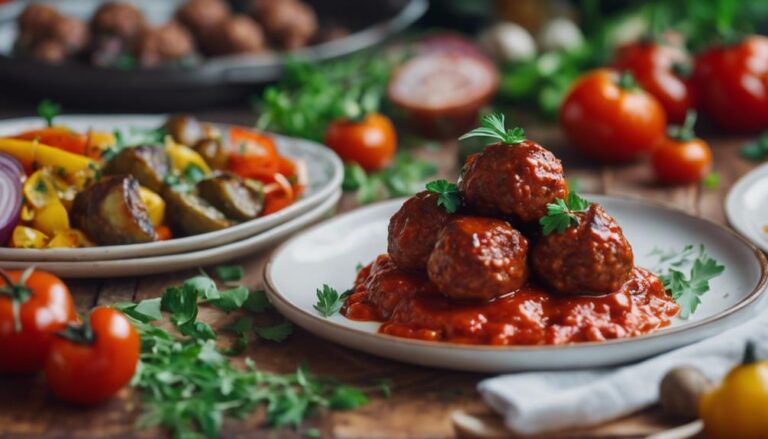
column 10, row 202
column 14, row 166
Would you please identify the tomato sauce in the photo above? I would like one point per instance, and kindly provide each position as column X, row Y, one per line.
column 409, row 305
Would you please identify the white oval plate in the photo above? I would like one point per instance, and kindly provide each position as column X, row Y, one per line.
column 168, row 263
column 329, row 252
column 324, row 168
column 746, row 206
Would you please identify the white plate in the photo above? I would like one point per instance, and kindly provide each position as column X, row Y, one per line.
column 329, row 252
column 325, row 172
column 168, row 263
column 746, row 206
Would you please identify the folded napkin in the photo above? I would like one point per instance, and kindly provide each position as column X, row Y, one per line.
column 541, row 402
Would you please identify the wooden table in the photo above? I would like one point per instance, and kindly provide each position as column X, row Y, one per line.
column 423, row 399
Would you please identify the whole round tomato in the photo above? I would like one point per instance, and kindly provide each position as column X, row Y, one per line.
column 45, row 306
column 681, row 157
column 656, row 68
column 606, row 116
column 732, row 85
column 91, row 363
column 371, row 142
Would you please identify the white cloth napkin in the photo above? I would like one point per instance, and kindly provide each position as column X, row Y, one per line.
column 541, row 402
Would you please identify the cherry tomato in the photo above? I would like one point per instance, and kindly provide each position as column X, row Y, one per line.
column 58, row 137
column 45, row 307
column 657, row 68
column 681, row 157
column 92, row 362
column 371, row 143
column 732, row 85
column 609, row 118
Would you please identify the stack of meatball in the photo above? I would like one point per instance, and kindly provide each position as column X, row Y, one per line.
column 118, row 31
column 493, row 244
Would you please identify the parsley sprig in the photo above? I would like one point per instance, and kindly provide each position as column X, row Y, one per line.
column 757, row 149
column 687, row 289
column 48, row 110
column 562, row 213
column 405, row 176
column 448, row 194
column 329, row 301
column 493, row 126
column 188, row 385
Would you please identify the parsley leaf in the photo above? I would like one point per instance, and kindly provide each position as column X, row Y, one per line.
column 448, row 197
column 329, row 301
column 48, row 110
column 181, row 302
column 276, row 333
column 203, row 286
column 229, row 273
column 561, row 214
column 231, row 299
column 145, row 311
column 757, row 149
column 354, row 177
column 687, row 290
column 257, row 302
column 493, row 126
column 198, row 330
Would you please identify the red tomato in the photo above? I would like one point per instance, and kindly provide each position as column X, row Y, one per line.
column 92, row 366
column 371, row 143
column 58, row 137
column 732, row 85
column 681, row 157
column 654, row 66
column 278, row 195
column 46, row 307
column 610, row 121
column 252, row 155
column 163, row 232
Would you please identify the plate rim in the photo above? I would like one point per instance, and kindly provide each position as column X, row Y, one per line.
column 738, row 188
column 754, row 295
column 95, row 254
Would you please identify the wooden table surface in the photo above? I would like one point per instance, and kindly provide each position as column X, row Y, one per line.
column 423, row 399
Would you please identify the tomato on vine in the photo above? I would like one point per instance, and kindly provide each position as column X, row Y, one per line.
column 681, row 157
column 91, row 362
column 370, row 142
column 33, row 306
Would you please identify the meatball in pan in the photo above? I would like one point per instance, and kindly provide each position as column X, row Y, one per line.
column 413, row 231
column 289, row 24
column 237, row 34
column 478, row 258
column 513, row 180
column 203, row 16
column 593, row 257
column 169, row 43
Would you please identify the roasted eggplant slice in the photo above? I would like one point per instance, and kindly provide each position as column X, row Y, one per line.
column 184, row 129
column 228, row 193
column 148, row 163
column 190, row 214
column 110, row 212
column 213, row 152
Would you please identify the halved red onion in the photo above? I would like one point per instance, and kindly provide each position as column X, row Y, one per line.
column 9, row 162
column 10, row 202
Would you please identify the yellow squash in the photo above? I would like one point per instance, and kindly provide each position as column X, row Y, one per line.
column 51, row 219
column 71, row 238
column 738, row 408
column 182, row 157
column 154, row 204
column 32, row 154
column 27, row 237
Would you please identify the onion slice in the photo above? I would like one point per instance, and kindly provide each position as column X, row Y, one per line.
column 14, row 166
column 10, row 202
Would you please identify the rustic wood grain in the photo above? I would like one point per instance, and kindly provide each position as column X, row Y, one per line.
column 423, row 400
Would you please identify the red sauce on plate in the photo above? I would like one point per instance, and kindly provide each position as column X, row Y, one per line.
column 409, row 305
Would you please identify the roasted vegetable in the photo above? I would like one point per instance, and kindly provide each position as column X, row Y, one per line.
column 191, row 214
column 148, row 163
column 184, row 129
column 27, row 237
column 213, row 152
column 183, row 157
column 155, row 206
column 33, row 154
column 70, row 238
column 230, row 195
column 111, row 212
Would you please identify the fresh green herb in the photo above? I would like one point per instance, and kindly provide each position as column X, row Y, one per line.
column 358, row 267
column 687, row 290
column 448, row 194
column 231, row 299
column 354, row 177
column 198, row 330
column 313, row 433
column 404, row 177
column 181, row 303
column 757, row 149
column 276, row 333
column 193, row 174
column 329, row 301
column 493, row 126
column 240, row 327
column 48, row 110
column 257, row 302
column 229, row 273
column 146, row 311
column 711, row 180
column 562, row 213
column 684, row 132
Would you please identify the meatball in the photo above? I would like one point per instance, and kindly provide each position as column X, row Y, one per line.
column 413, row 231
column 35, row 20
column 593, row 257
column 119, row 19
column 167, row 43
column 513, row 180
column 203, row 16
column 478, row 258
column 71, row 32
column 290, row 24
column 238, row 34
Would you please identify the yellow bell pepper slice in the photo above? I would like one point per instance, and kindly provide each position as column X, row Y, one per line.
column 98, row 142
column 183, row 156
column 155, row 206
column 27, row 237
column 71, row 238
column 51, row 219
column 32, row 154
column 39, row 190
